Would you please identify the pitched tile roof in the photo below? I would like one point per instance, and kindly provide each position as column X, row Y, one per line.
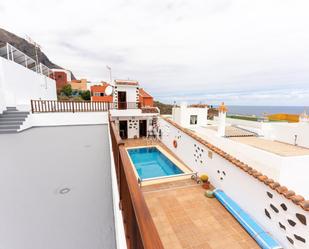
column 289, row 194
column 144, row 94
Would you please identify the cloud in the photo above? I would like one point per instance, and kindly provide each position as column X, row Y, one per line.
column 202, row 50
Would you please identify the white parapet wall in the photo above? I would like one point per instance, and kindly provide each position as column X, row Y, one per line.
column 64, row 118
column 18, row 85
column 286, row 132
column 279, row 216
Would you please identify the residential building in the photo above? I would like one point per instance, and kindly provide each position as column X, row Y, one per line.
column 145, row 98
column 61, row 76
column 79, row 85
column 118, row 175
column 98, row 93
column 190, row 116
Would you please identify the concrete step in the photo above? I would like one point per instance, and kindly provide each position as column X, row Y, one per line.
column 11, row 122
column 13, row 108
column 4, row 127
column 15, row 112
column 13, row 115
column 8, row 131
column 12, row 119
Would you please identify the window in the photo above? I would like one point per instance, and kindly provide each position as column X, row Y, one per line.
column 193, row 119
column 96, row 94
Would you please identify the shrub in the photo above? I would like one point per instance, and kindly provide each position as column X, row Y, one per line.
column 67, row 90
column 85, row 95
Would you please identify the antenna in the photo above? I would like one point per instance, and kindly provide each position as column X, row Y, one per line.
column 108, row 90
column 110, row 73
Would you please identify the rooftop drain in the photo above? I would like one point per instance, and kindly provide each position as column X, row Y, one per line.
column 64, row 191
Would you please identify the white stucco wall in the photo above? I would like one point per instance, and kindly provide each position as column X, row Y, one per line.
column 18, row 85
column 118, row 218
column 263, row 161
column 247, row 191
column 181, row 115
column 64, row 118
column 133, row 124
column 132, row 92
column 285, row 132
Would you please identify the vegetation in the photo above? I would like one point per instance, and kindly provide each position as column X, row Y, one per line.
column 249, row 118
column 85, row 95
column 68, row 94
column 164, row 108
column 67, row 90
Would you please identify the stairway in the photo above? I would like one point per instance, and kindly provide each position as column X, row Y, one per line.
column 11, row 120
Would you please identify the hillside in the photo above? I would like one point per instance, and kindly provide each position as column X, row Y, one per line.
column 26, row 47
column 164, row 108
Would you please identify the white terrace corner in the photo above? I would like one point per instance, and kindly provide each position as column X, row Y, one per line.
column 105, row 175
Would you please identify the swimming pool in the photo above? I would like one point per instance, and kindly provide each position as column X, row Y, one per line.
column 150, row 162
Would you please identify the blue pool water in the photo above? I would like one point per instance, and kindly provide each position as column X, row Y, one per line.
column 150, row 162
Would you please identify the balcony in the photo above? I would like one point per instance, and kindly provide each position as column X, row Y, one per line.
column 42, row 106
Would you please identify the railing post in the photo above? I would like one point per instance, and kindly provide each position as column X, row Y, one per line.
column 32, row 106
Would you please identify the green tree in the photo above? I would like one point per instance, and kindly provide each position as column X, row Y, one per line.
column 67, row 90
column 85, row 95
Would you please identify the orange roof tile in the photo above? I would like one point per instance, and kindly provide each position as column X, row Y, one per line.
column 144, row 94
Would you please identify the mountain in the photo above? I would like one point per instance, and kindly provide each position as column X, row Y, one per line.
column 27, row 48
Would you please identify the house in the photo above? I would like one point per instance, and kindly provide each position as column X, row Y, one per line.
column 79, row 85
column 145, row 98
column 61, row 76
column 192, row 115
column 98, row 93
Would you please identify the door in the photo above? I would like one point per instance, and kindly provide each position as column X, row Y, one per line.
column 123, row 129
column 122, row 100
column 142, row 128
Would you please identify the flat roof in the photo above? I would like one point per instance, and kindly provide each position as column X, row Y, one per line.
column 276, row 147
column 37, row 167
column 232, row 131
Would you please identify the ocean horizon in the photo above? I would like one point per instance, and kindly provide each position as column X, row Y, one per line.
column 265, row 110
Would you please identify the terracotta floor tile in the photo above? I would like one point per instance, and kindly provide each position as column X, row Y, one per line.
column 185, row 219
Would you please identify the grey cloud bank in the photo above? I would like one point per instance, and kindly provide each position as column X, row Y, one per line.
column 239, row 51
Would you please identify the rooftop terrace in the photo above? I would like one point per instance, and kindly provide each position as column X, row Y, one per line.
column 185, row 218
column 56, row 189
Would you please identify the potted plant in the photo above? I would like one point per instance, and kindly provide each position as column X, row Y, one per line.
column 206, row 184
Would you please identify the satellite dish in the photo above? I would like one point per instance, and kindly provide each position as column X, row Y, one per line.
column 108, row 90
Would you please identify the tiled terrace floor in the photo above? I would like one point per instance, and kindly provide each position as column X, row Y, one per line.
column 186, row 219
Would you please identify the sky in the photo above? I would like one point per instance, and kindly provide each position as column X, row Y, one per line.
column 242, row 52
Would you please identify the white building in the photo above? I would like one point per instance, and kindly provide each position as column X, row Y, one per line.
column 190, row 116
column 21, row 80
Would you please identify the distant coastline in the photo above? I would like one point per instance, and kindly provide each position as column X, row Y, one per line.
column 259, row 111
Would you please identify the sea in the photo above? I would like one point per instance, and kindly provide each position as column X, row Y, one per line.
column 260, row 111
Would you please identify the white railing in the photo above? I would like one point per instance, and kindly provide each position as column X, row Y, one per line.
column 11, row 53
